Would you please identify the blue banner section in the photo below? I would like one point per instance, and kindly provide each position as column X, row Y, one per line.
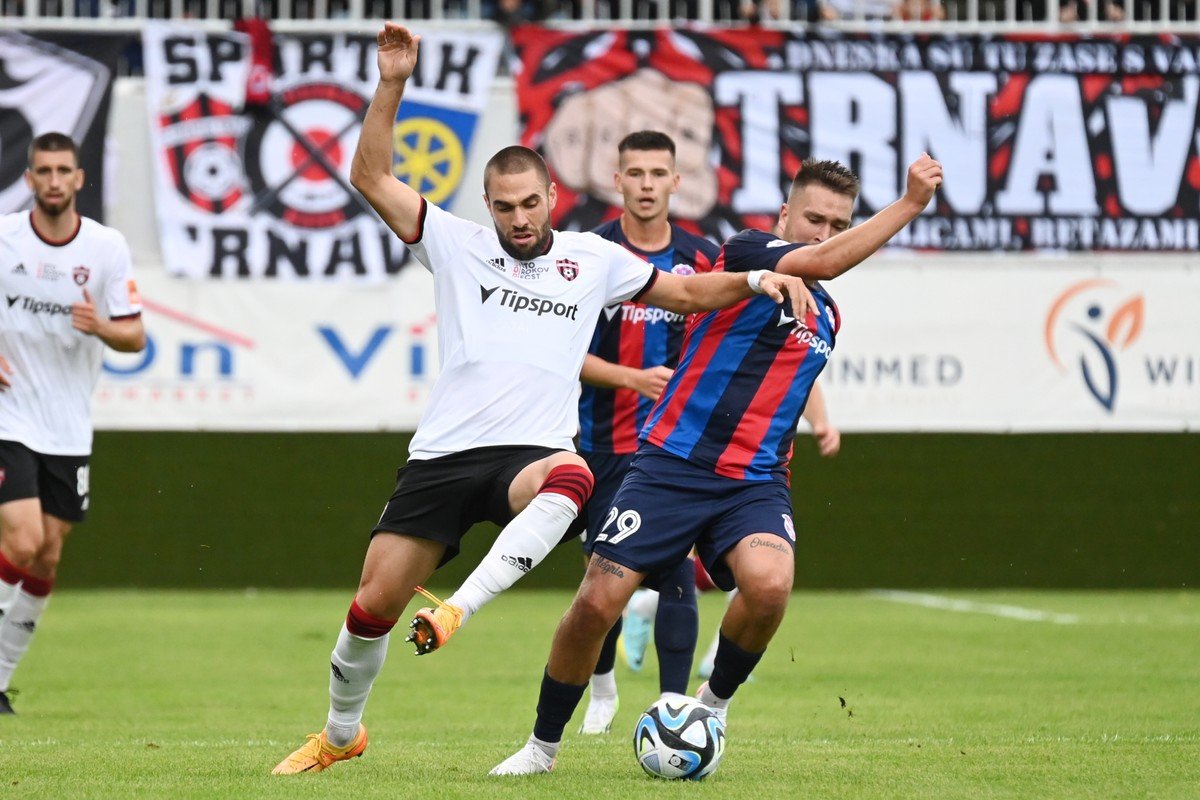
column 431, row 144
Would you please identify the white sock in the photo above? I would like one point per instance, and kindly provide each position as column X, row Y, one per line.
column 8, row 595
column 709, row 699
column 644, row 603
column 604, row 684
column 519, row 548
column 549, row 748
column 353, row 667
column 16, row 629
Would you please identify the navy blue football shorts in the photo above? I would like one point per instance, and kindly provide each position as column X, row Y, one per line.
column 667, row 505
column 609, row 470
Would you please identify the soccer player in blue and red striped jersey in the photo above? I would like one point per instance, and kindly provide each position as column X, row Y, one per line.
column 633, row 352
column 712, row 469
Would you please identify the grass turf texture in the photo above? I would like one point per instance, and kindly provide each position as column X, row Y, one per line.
column 198, row 695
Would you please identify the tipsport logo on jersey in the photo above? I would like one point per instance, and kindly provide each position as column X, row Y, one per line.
column 1089, row 327
column 264, row 191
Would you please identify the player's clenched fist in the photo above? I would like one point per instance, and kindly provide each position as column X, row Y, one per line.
column 397, row 54
column 924, row 177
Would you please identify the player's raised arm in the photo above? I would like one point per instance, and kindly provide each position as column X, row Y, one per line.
column 722, row 289
column 371, row 171
column 839, row 253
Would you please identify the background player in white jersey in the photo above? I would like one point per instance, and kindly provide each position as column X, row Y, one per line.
column 515, row 306
column 69, row 291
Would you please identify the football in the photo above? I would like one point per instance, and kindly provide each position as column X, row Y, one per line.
column 679, row 738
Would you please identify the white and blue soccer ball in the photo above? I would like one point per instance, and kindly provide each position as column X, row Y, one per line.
column 679, row 738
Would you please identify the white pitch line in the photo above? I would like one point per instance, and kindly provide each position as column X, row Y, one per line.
column 971, row 607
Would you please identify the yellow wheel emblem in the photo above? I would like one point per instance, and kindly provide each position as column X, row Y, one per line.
column 428, row 157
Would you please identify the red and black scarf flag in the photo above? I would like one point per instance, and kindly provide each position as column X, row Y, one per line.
column 1049, row 142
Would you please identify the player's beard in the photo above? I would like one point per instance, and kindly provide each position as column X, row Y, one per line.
column 529, row 252
column 53, row 208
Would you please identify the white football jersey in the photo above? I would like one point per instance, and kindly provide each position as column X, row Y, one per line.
column 512, row 335
column 54, row 366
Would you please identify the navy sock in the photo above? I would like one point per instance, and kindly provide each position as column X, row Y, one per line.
column 608, row 650
column 676, row 628
column 732, row 667
column 556, row 704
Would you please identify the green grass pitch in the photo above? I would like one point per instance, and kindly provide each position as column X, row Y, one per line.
column 197, row 695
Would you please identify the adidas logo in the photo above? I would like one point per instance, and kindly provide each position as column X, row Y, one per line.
column 523, row 563
column 498, row 263
column 28, row 625
column 19, row 269
column 337, row 673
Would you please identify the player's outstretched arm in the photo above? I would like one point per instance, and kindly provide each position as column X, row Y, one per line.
column 607, row 375
column 722, row 289
column 839, row 253
column 371, row 171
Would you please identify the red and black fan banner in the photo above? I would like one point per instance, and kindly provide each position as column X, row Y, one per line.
column 1048, row 142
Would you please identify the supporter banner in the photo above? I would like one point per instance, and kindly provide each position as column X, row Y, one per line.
column 1039, row 346
column 248, row 191
column 274, row 356
column 1048, row 142
column 55, row 82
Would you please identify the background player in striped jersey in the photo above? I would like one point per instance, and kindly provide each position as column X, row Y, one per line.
column 516, row 305
column 632, row 353
column 712, row 471
column 68, row 282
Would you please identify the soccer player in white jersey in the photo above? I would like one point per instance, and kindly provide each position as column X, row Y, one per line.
column 516, row 306
column 68, row 289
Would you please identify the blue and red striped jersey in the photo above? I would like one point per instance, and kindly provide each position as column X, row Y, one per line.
column 745, row 374
column 636, row 335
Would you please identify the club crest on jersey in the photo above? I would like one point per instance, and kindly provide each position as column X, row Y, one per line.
column 80, row 274
column 683, row 269
column 567, row 268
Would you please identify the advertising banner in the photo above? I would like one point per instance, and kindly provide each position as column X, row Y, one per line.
column 1040, row 346
column 58, row 83
column 274, row 356
column 1048, row 142
column 263, row 191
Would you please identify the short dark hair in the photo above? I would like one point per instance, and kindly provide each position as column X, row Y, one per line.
column 515, row 159
column 833, row 175
column 52, row 143
column 647, row 140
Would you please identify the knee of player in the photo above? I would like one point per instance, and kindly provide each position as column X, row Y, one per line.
column 571, row 479
column 594, row 612
column 767, row 592
column 23, row 543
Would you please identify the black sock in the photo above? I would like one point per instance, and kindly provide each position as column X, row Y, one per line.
column 676, row 628
column 556, row 704
column 731, row 668
column 608, row 650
